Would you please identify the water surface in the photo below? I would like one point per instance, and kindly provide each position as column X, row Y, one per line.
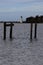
column 20, row 51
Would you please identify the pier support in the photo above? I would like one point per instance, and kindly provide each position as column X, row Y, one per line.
column 6, row 25
column 11, row 32
column 4, row 30
column 35, row 31
column 31, row 31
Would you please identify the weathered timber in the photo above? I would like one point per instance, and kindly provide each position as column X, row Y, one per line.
column 31, row 31
column 9, row 24
column 35, row 31
column 6, row 25
column 4, row 30
column 11, row 32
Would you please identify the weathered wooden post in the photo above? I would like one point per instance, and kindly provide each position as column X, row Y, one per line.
column 11, row 31
column 4, row 30
column 31, row 31
column 35, row 31
column 35, row 34
column 31, row 28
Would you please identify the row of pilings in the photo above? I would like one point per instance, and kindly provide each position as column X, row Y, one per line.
column 31, row 31
column 11, row 27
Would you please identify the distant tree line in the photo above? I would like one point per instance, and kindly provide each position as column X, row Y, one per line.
column 38, row 19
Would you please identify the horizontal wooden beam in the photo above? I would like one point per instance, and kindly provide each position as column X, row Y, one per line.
column 8, row 24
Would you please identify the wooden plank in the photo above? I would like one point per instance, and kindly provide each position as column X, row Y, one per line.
column 9, row 24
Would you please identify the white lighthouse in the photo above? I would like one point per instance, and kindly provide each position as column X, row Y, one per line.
column 21, row 19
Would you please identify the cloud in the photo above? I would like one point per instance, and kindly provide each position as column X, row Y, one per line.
column 33, row 7
column 13, row 2
column 20, row 7
column 17, row 2
column 5, row 1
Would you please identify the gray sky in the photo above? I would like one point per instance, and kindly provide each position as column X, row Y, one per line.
column 13, row 9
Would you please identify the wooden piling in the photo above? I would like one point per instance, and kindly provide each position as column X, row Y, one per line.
column 4, row 30
column 11, row 31
column 31, row 31
column 35, row 31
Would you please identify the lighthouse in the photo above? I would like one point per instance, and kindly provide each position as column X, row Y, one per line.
column 21, row 19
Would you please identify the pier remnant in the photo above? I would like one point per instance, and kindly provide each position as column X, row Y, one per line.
column 4, row 30
column 11, row 31
column 6, row 25
column 35, row 31
column 33, row 20
column 31, row 31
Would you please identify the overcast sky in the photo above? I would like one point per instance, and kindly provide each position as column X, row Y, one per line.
column 13, row 9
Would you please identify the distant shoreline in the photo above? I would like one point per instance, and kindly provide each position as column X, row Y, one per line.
column 19, row 22
column 37, row 19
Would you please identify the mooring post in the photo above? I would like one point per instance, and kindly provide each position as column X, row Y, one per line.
column 4, row 30
column 35, row 32
column 11, row 31
column 31, row 31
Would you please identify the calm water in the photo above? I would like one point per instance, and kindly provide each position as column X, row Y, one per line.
column 20, row 51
